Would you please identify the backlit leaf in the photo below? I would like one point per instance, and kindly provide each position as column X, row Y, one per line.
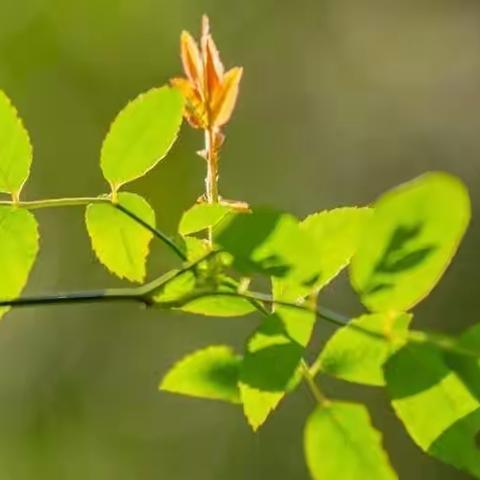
column 267, row 242
column 202, row 216
column 411, row 238
column 437, row 409
column 18, row 250
column 209, row 373
column 271, row 362
column 358, row 357
column 15, row 149
column 119, row 242
column 341, row 443
column 141, row 135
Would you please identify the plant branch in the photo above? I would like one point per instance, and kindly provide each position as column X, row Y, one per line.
column 81, row 201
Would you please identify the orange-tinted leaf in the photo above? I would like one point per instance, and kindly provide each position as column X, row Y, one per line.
column 191, row 59
column 226, row 97
column 194, row 107
column 213, row 67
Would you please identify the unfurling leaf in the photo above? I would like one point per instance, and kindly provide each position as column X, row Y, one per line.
column 341, row 443
column 141, row 135
column 18, row 250
column 438, row 410
column 411, row 238
column 119, row 242
column 202, row 216
column 353, row 355
column 210, row 93
column 209, row 373
column 226, row 97
column 15, row 149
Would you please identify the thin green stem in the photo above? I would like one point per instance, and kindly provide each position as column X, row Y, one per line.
column 312, row 385
column 82, row 201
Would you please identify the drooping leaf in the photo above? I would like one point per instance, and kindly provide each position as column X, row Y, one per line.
column 341, row 443
column 141, row 135
column 271, row 362
column 119, row 242
column 202, row 216
column 15, row 149
column 18, row 250
column 411, row 238
column 358, row 357
column 435, row 406
column 208, row 373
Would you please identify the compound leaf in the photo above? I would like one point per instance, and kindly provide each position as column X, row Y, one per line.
column 340, row 442
column 412, row 236
column 356, row 356
column 208, row 373
column 141, row 135
column 120, row 243
column 15, row 149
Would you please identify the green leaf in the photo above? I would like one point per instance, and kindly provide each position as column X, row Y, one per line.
column 209, row 373
column 335, row 235
column 271, row 361
column 437, row 409
column 266, row 242
column 141, row 135
column 467, row 366
column 15, row 149
column 212, row 305
column 202, row 216
column 412, row 236
column 120, row 243
column 341, row 443
column 358, row 357
column 18, row 250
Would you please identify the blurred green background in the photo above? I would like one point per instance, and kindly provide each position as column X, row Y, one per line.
column 341, row 100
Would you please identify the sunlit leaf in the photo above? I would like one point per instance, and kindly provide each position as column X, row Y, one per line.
column 15, row 149
column 18, row 250
column 141, row 135
column 412, row 236
column 119, row 242
column 271, row 362
column 355, row 356
column 437, row 409
column 267, row 242
column 341, row 443
column 336, row 235
column 209, row 373
column 467, row 366
column 187, row 285
column 202, row 216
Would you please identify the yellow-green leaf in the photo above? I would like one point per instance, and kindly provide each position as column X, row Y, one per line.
column 355, row 356
column 18, row 250
column 439, row 412
column 201, row 217
column 410, row 240
column 341, row 444
column 208, row 373
column 141, row 135
column 15, row 149
column 120, row 243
